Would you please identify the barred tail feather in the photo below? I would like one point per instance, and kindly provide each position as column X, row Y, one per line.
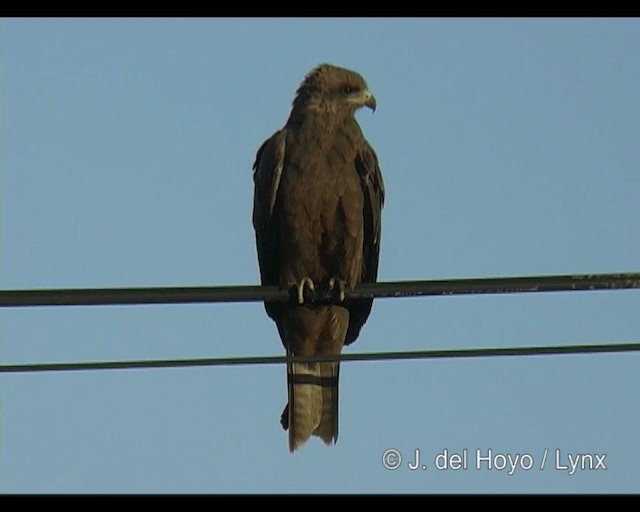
column 313, row 403
column 327, row 429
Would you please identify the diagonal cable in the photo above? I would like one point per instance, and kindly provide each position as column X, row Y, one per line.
column 371, row 356
column 210, row 294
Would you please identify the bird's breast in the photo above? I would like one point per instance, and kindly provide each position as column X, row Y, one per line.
column 321, row 211
column 321, row 187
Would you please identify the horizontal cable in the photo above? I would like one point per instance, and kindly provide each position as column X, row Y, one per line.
column 371, row 356
column 181, row 295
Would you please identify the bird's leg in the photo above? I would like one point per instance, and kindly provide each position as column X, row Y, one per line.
column 300, row 286
column 340, row 284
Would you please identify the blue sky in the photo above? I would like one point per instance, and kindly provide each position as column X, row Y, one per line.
column 508, row 147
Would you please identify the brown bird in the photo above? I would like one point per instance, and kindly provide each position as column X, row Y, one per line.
column 318, row 196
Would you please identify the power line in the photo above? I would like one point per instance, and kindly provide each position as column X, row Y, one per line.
column 371, row 356
column 181, row 295
column 210, row 294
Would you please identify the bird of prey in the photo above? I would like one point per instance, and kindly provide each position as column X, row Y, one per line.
column 318, row 197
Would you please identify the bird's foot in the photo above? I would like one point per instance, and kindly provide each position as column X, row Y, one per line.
column 304, row 284
column 337, row 286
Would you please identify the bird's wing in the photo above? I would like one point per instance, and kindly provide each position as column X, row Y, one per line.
column 267, row 171
column 372, row 185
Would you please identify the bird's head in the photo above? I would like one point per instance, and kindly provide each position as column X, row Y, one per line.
column 332, row 89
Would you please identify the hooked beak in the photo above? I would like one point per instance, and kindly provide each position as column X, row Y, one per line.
column 370, row 101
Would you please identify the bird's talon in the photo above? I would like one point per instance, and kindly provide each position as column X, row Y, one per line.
column 341, row 284
column 300, row 286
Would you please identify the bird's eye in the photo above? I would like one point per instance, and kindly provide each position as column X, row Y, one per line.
column 348, row 90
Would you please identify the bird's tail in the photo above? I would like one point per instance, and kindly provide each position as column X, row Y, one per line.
column 313, row 402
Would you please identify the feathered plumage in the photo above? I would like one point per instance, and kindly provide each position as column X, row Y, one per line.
column 318, row 196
